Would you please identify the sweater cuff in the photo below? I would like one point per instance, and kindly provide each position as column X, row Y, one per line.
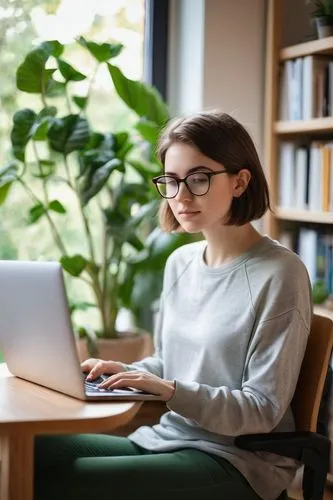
column 182, row 397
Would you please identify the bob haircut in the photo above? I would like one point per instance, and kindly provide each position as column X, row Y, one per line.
column 223, row 139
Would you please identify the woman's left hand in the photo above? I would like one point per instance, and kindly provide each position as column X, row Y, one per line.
column 140, row 380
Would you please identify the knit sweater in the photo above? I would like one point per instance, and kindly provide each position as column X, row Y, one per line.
column 232, row 338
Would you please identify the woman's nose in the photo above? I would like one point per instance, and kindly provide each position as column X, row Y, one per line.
column 183, row 192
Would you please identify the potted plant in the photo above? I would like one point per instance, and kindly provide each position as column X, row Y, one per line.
column 106, row 175
column 323, row 17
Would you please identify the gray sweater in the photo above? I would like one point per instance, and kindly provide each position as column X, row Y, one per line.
column 233, row 339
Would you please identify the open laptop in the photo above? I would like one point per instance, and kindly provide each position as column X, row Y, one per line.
column 36, row 333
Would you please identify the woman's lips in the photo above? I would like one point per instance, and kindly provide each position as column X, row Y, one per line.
column 188, row 215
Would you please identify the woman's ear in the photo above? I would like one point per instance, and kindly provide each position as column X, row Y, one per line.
column 242, row 180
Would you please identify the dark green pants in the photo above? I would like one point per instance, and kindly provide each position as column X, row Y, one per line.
column 109, row 467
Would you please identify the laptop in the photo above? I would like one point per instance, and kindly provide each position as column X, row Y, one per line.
column 36, row 334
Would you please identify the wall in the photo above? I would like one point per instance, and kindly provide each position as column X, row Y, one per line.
column 217, row 54
column 297, row 25
column 234, row 61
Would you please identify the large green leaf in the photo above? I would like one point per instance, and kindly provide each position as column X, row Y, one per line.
column 24, row 120
column 69, row 73
column 40, row 129
column 70, row 133
column 8, row 175
column 56, row 206
column 55, row 88
column 80, row 101
column 93, row 159
column 122, row 144
column 36, row 212
column 31, row 75
column 129, row 193
column 142, row 98
column 48, row 112
column 74, row 265
column 159, row 246
column 116, row 223
column 98, row 179
column 146, row 170
column 102, row 51
column 148, row 130
column 145, row 212
column 147, row 288
column 53, row 47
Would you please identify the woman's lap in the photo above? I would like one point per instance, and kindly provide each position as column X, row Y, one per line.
column 70, row 467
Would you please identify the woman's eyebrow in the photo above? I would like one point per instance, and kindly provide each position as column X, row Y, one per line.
column 190, row 170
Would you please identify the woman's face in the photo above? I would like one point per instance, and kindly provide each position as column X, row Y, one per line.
column 200, row 213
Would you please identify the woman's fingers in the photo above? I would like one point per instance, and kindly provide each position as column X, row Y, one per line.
column 140, row 380
column 88, row 364
column 122, row 376
column 101, row 367
column 96, row 370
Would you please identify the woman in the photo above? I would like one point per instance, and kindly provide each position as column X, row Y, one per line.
column 234, row 320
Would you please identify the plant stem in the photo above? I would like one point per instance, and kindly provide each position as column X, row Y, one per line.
column 91, row 82
column 83, row 215
column 55, row 234
column 70, row 181
column 94, row 283
column 68, row 102
column 110, row 295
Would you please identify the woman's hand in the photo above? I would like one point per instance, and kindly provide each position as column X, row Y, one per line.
column 140, row 380
column 97, row 367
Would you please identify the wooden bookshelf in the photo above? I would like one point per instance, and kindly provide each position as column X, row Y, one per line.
column 293, row 131
column 323, row 46
column 275, row 130
column 314, row 126
column 304, row 216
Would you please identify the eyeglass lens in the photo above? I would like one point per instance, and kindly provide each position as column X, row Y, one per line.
column 197, row 183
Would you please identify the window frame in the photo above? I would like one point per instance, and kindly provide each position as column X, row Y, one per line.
column 156, row 44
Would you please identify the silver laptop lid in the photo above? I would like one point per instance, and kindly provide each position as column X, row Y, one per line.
column 35, row 329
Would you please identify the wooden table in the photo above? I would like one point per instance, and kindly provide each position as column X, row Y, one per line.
column 27, row 409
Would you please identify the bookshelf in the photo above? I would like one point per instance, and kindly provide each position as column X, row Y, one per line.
column 314, row 126
column 279, row 130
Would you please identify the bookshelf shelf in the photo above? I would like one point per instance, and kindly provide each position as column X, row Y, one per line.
column 322, row 46
column 304, row 216
column 314, row 126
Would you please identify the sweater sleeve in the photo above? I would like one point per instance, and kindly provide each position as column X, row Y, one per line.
column 269, row 380
column 152, row 364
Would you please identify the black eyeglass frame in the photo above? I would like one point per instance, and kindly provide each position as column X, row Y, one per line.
column 184, row 180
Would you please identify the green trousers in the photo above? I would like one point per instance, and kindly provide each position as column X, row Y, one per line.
column 75, row 467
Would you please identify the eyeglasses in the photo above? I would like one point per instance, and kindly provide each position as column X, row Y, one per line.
column 198, row 183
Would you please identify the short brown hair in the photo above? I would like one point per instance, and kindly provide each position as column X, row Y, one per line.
column 223, row 139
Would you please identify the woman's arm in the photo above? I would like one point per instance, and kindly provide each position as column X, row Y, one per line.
column 152, row 364
column 269, row 380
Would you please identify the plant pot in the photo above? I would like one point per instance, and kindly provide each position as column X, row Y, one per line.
column 127, row 348
column 324, row 26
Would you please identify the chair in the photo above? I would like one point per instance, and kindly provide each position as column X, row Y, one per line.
column 305, row 444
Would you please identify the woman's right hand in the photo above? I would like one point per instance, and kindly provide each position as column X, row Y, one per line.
column 96, row 367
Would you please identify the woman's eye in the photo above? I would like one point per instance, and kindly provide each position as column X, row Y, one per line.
column 199, row 179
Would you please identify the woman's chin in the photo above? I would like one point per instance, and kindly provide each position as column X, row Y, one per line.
column 191, row 227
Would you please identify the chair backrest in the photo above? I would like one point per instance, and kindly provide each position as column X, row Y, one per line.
column 309, row 390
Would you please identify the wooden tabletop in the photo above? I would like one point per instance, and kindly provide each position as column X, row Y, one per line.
column 28, row 409
column 39, row 410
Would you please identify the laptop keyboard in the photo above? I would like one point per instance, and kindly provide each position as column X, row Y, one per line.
column 91, row 386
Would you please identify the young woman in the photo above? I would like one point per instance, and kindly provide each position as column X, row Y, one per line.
column 233, row 326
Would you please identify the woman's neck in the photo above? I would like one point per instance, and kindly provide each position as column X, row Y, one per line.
column 225, row 243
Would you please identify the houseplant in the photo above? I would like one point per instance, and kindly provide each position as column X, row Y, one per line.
column 106, row 174
column 323, row 17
